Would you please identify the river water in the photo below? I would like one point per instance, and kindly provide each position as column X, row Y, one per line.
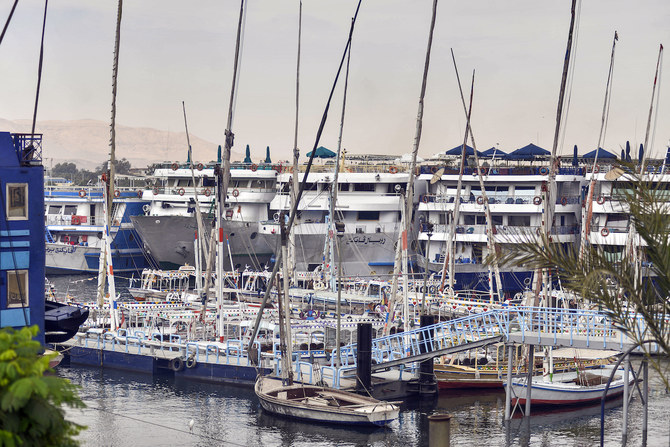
column 130, row 409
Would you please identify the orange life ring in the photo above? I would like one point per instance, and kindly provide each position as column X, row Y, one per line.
column 537, row 200
column 235, row 193
column 433, row 169
column 393, row 170
column 117, row 193
column 104, row 177
column 175, row 166
column 596, row 169
column 115, row 223
column 290, row 169
column 480, row 200
column 207, row 192
column 600, row 200
column 156, row 190
column 605, row 231
column 82, row 193
column 139, row 193
column 75, row 220
column 544, row 170
column 181, row 191
column 199, row 167
column 277, row 168
column 254, row 167
column 483, row 170
column 564, row 201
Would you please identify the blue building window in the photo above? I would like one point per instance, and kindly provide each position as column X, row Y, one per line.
column 17, row 201
column 17, row 288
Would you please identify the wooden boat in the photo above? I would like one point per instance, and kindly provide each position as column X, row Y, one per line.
column 570, row 388
column 323, row 404
column 451, row 375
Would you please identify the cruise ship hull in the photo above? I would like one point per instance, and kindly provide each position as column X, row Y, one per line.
column 169, row 240
column 76, row 259
column 362, row 253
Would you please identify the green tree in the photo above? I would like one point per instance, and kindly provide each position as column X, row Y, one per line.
column 31, row 404
column 632, row 286
column 66, row 170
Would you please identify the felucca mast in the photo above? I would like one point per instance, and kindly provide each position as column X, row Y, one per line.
column 296, row 152
column 201, row 237
column 633, row 242
column 549, row 193
column 587, row 212
column 490, row 238
column 222, row 174
column 409, row 195
column 106, row 269
column 294, row 206
column 334, row 185
column 449, row 258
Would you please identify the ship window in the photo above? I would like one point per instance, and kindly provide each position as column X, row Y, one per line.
column 17, row 201
column 368, row 215
column 519, row 221
column 70, row 210
column 17, row 288
column 364, row 186
column 53, row 209
column 343, row 186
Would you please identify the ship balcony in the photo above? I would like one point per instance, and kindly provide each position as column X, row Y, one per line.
column 604, row 235
column 515, row 171
column 346, row 201
column 522, row 203
column 504, row 234
column 320, row 228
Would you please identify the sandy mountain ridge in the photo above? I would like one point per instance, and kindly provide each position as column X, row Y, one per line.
column 86, row 143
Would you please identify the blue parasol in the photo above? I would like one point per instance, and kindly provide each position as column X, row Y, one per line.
column 247, row 158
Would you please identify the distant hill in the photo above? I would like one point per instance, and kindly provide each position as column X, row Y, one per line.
column 86, row 143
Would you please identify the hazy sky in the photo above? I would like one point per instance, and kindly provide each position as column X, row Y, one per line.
column 175, row 50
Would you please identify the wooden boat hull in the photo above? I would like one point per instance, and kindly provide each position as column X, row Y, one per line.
column 568, row 393
column 285, row 401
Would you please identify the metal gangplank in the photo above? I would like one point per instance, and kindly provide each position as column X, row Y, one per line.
column 527, row 325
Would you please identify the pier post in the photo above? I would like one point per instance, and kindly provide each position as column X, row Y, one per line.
column 508, row 388
column 645, row 396
column 529, row 377
column 427, row 382
column 439, row 430
column 626, row 394
column 364, row 358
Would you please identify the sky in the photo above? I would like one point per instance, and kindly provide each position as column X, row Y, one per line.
column 173, row 51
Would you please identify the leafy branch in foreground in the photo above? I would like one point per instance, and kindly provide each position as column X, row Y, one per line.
column 31, row 403
column 632, row 285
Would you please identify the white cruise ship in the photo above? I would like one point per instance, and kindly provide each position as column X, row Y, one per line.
column 369, row 203
column 514, row 187
column 168, row 226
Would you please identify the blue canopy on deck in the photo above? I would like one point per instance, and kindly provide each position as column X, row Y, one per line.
column 602, row 154
column 529, row 152
column 322, row 152
column 494, row 152
column 457, row 151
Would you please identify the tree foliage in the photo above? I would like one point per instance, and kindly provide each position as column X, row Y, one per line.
column 633, row 285
column 31, row 404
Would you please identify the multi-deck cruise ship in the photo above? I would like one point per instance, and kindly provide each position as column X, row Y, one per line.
column 370, row 202
column 168, row 225
column 514, row 187
column 74, row 226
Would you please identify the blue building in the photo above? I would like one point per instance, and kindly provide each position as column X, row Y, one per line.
column 21, row 231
